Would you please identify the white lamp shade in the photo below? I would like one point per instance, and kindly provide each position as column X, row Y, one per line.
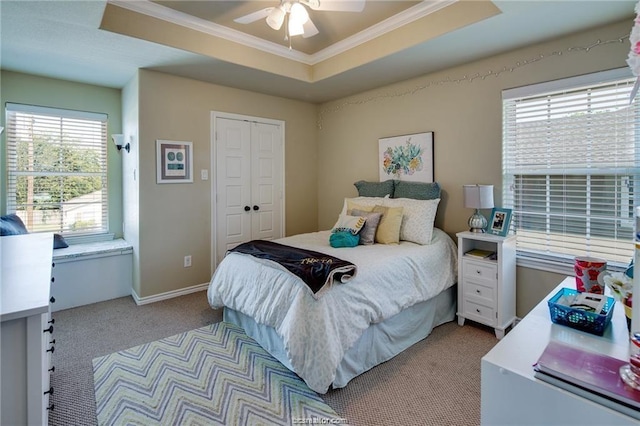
column 299, row 14
column 295, row 28
column 478, row 196
column 276, row 18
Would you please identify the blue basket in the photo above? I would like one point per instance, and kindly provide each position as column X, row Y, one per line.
column 594, row 323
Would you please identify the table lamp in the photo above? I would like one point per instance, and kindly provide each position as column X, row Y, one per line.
column 478, row 197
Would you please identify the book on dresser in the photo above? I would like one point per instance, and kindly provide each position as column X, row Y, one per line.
column 481, row 254
column 591, row 375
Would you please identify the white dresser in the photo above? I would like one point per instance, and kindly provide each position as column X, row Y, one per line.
column 26, row 331
column 510, row 394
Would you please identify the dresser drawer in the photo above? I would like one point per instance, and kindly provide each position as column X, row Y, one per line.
column 480, row 313
column 480, row 294
column 476, row 270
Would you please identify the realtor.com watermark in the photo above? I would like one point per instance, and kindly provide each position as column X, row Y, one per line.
column 319, row 421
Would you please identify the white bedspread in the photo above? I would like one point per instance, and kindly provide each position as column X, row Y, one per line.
column 317, row 333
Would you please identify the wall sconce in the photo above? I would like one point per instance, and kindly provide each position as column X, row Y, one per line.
column 478, row 197
column 118, row 141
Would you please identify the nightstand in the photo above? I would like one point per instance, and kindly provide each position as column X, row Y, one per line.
column 487, row 285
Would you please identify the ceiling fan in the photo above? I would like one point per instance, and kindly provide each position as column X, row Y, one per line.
column 297, row 16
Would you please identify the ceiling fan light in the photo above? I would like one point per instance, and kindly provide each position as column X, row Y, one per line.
column 276, row 18
column 295, row 28
column 299, row 13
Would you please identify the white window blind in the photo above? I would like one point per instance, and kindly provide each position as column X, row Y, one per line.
column 57, row 169
column 571, row 157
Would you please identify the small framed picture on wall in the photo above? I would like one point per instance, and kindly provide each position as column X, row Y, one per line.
column 499, row 222
column 174, row 161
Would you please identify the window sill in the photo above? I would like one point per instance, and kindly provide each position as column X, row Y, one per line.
column 92, row 250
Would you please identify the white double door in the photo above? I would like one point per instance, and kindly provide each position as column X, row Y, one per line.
column 249, row 181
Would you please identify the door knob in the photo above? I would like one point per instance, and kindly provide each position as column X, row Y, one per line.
column 247, row 208
column 256, row 207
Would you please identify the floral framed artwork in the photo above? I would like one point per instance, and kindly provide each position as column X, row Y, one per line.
column 407, row 157
column 499, row 222
column 174, row 162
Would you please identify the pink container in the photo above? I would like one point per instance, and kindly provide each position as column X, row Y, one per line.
column 587, row 270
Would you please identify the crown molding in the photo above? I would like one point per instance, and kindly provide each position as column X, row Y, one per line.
column 149, row 8
column 414, row 13
column 155, row 10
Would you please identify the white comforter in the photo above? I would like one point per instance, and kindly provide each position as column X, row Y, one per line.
column 317, row 333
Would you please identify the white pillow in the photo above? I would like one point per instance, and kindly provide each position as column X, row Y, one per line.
column 347, row 223
column 361, row 203
column 418, row 217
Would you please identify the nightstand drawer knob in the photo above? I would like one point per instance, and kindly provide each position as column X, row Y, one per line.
column 478, row 271
column 477, row 291
column 477, row 310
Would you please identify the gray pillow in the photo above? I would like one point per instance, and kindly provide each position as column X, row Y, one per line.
column 368, row 231
column 374, row 189
column 59, row 242
column 416, row 190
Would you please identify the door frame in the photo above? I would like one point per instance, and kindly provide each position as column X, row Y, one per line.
column 214, row 193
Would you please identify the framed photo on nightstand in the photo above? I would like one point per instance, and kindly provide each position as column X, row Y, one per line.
column 499, row 222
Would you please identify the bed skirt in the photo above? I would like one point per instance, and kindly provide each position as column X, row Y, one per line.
column 379, row 343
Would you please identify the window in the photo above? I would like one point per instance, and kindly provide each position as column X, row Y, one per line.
column 571, row 152
column 57, row 169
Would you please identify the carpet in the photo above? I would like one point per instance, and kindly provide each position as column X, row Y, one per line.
column 211, row 375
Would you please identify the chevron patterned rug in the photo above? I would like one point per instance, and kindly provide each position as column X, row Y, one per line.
column 214, row 375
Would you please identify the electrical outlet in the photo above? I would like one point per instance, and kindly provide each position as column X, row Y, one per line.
column 187, row 261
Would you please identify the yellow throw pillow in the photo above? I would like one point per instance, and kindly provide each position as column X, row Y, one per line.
column 360, row 203
column 389, row 227
column 355, row 206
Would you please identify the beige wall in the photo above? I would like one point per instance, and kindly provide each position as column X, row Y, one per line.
column 466, row 118
column 175, row 219
column 34, row 90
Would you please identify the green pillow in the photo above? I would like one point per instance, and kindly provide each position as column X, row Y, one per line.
column 343, row 239
column 416, row 190
column 374, row 189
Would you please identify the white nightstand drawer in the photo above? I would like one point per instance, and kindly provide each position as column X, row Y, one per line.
column 481, row 313
column 480, row 294
column 479, row 270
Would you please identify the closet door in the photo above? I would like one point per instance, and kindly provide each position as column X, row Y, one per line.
column 266, row 178
column 249, row 188
column 233, row 184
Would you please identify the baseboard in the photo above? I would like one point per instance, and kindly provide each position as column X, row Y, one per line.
column 168, row 295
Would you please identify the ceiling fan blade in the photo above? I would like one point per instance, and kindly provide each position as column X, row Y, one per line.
column 336, row 5
column 309, row 29
column 253, row 17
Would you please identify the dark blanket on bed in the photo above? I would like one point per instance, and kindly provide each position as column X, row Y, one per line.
column 316, row 269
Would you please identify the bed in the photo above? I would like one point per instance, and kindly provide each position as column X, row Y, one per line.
column 400, row 293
